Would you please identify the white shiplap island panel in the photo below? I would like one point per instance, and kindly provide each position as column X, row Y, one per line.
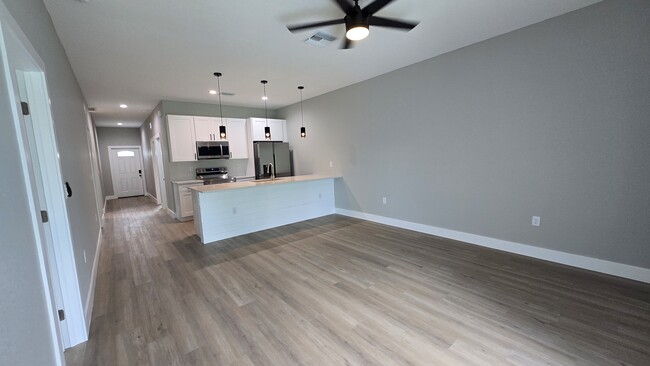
column 226, row 210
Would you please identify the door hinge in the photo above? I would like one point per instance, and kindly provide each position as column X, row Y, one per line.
column 44, row 217
column 25, row 107
column 61, row 315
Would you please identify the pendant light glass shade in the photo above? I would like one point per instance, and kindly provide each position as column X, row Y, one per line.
column 303, row 130
column 222, row 128
column 267, row 129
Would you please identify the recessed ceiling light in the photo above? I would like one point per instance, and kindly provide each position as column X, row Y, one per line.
column 120, row 123
column 213, row 92
column 265, row 98
column 123, row 106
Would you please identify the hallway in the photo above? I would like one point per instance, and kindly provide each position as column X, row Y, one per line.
column 341, row 291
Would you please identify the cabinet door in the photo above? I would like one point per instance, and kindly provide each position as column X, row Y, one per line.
column 237, row 138
column 276, row 125
column 277, row 130
column 257, row 126
column 206, row 128
column 187, row 207
column 182, row 143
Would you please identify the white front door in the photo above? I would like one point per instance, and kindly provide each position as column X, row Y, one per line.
column 126, row 170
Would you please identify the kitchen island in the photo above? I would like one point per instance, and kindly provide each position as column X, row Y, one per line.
column 223, row 211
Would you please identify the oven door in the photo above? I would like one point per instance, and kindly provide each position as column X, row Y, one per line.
column 212, row 150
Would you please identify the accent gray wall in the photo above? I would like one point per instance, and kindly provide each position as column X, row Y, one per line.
column 549, row 120
column 113, row 136
column 186, row 170
column 24, row 338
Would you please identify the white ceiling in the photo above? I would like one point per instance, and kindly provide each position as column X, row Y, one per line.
column 140, row 52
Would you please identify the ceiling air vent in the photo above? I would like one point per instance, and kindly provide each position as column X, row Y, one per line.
column 227, row 94
column 320, row 39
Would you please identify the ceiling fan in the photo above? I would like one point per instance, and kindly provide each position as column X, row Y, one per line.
column 358, row 21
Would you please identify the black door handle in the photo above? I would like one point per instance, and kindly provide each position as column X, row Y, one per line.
column 68, row 189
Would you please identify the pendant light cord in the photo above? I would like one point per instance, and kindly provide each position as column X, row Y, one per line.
column 266, row 114
column 302, row 115
column 219, row 88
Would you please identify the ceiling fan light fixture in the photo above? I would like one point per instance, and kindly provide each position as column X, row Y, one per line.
column 357, row 33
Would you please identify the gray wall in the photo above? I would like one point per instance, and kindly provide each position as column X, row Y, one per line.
column 113, row 136
column 550, row 120
column 186, row 170
column 24, row 339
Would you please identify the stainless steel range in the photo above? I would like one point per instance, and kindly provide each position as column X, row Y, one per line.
column 213, row 175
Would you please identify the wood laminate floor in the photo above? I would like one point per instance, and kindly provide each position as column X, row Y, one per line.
column 341, row 291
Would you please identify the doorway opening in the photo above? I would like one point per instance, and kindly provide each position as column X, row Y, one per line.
column 126, row 170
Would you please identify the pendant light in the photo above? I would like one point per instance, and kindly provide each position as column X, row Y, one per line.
column 303, row 131
column 267, row 129
column 222, row 128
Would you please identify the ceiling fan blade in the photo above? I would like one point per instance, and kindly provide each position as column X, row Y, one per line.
column 344, row 5
column 294, row 28
column 346, row 44
column 375, row 6
column 391, row 23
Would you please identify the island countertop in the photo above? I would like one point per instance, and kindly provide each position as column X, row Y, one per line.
column 257, row 183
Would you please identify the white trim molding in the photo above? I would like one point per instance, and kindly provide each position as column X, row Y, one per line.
column 90, row 299
column 573, row 260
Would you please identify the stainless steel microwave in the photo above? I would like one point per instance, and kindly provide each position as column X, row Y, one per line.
column 212, row 150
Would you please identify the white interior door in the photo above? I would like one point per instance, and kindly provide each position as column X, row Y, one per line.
column 126, row 171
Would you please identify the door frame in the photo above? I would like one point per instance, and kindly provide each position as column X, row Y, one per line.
column 159, row 170
column 111, row 162
column 41, row 171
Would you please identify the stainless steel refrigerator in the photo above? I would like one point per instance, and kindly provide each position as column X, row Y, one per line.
column 276, row 153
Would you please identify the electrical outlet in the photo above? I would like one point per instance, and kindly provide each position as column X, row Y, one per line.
column 383, row 200
column 85, row 260
column 536, row 221
column 234, row 210
column 331, row 164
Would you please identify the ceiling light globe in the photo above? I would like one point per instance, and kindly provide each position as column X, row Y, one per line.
column 213, row 92
column 357, row 33
column 265, row 98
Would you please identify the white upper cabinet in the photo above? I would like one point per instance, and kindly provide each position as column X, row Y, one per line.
column 237, row 135
column 278, row 129
column 207, row 128
column 182, row 141
column 185, row 131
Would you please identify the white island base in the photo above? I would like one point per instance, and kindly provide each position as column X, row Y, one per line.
column 227, row 210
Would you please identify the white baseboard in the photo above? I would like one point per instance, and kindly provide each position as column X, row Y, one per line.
column 171, row 213
column 90, row 300
column 574, row 260
column 151, row 196
column 111, row 197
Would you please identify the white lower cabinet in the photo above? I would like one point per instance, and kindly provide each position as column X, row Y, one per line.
column 183, row 199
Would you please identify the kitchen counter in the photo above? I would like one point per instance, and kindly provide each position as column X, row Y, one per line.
column 226, row 210
column 189, row 181
column 257, row 183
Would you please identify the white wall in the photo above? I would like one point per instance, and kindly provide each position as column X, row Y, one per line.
column 550, row 120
